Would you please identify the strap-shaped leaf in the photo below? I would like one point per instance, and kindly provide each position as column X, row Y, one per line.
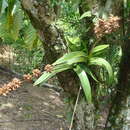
column 103, row 63
column 76, row 60
column 70, row 56
column 99, row 49
column 47, row 75
column 89, row 72
column 62, row 64
column 84, row 82
column 86, row 14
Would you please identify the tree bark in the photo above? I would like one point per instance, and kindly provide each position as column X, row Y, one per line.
column 117, row 114
column 122, row 90
column 43, row 16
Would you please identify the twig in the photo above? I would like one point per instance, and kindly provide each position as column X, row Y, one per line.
column 70, row 128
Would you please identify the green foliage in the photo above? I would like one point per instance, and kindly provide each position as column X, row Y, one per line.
column 82, row 54
column 31, row 38
column 84, row 82
column 3, row 5
column 74, row 60
column 14, row 26
column 26, row 60
column 103, row 63
column 70, row 57
column 11, row 20
column 86, row 14
column 16, row 29
column 89, row 72
column 98, row 50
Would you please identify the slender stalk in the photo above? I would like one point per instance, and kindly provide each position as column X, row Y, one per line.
column 71, row 124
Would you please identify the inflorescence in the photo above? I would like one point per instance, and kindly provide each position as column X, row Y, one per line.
column 106, row 26
column 13, row 85
column 16, row 83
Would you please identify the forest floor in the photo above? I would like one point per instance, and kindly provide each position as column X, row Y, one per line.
column 31, row 108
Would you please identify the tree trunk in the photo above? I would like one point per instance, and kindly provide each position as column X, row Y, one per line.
column 120, row 105
column 43, row 16
column 122, row 90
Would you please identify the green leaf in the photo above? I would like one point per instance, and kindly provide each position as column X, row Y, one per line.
column 103, row 63
column 47, row 75
column 73, row 40
column 75, row 3
column 31, row 38
column 99, row 49
column 86, row 14
column 62, row 64
column 76, row 60
column 3, row 6
column 10, row 25
column 17, row 24
column 89, row 72
column 70, row 56
column 84, row 82
column 11, row 4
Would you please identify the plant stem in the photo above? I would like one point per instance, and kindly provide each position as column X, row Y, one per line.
column 70, row 128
